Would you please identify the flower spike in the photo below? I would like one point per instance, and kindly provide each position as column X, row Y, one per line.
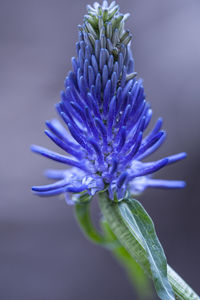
column 106, row 114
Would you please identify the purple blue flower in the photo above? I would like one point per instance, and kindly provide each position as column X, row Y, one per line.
column 105, row 116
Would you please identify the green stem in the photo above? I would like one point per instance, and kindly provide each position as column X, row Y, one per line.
column 82, row 212
column 135, row 248
column 83, row 217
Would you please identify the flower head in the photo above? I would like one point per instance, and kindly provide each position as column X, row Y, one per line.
column 104, row 108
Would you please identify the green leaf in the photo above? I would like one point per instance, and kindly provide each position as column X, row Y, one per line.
column 140, row 281
column 137, row 277
column 140, row 224
column 132, row 243
column 109, row 240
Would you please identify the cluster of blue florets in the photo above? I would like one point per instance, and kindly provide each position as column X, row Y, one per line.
column 104, row 109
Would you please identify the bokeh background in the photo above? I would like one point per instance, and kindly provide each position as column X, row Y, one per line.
column 43, row 254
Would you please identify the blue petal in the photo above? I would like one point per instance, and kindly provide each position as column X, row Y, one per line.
column 149, row 168
column 63, row 145
column 97, row 48
column 166, row 184
column 94, row 64
column 49, row 187
column 114, row 166
column 155, row 140
column 102, row 130
column 80, row 139
column 91, row 123
column 57, row 157
column 152, row 148
column 97, row 149
column 55, row 126
column 134, row 150
column 107, row 97
column 111, row 115
column 122, row 179
column 176, row 157
column 55, row 174
column 74, row 189
column 122, row 139
column 51, row 192
column 91, row 75
column 102, row 58
column 155, row 130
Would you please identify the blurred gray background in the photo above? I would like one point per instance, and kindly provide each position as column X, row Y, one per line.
column 43, row 254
